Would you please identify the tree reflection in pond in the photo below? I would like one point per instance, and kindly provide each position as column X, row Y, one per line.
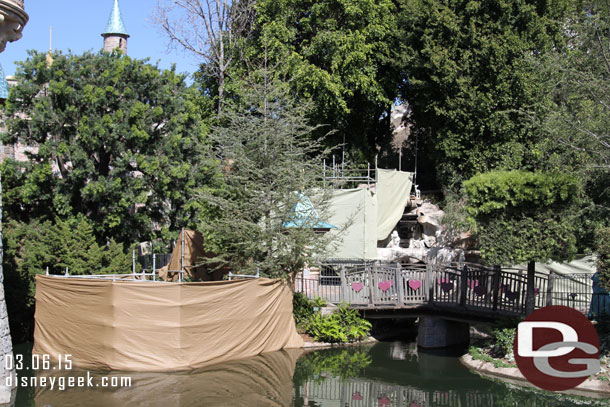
column 380, row 375
column 395, row 374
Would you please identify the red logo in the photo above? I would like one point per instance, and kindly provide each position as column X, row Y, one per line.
column 556, row 348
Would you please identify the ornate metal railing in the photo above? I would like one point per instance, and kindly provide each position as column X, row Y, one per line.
column 464, row 286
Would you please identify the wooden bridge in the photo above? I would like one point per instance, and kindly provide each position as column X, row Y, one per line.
column 460, row 287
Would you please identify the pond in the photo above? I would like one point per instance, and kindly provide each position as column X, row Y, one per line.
column 383, row 374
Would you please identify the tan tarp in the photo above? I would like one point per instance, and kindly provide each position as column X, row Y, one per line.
column 194, row 252
column 354, row 212
column 393, row 191
column 263, row 380
column 156, row 326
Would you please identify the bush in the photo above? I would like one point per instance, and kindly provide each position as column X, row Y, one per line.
column 503, row 341
column 344, row 325
column 302, row 309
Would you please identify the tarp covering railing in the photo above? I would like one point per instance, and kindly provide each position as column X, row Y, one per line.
column 156, row 326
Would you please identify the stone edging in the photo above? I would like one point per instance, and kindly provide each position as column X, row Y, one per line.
column 589, row 388
column 326, row 345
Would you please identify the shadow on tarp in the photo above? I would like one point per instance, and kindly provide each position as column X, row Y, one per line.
column 263, row 380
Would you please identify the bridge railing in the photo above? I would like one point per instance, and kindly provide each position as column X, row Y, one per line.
column 460, row 285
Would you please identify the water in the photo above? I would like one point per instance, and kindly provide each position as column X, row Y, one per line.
column 385, row 374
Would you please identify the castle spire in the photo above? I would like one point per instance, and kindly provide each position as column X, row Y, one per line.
column 115, row 34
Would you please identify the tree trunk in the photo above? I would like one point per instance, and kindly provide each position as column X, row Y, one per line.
column 221, row 90
column 530, row 298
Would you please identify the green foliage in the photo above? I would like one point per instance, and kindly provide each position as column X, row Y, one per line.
column 343, row 325
column 118, row 141
column 603, row 256
column 519, row 217
column 344, row 363
column 503, row 341
column 29, row 248
column 576, row 129
column 268, row 162
column 319, row 302
column 469, row 80
column 339, row 55
column 506, row 190
column 302, row 309
column 478, row 355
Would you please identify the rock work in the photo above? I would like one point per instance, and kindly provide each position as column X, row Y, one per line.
column 426, row 244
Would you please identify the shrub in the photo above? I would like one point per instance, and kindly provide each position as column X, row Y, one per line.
column 344, row 325
column 302, row 310
column 503, row 341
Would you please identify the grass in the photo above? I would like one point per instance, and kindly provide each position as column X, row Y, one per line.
column 478, row 355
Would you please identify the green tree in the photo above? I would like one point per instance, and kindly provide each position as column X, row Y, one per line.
column 269, row 163
column 113, row 138
column 468, row 77
column 524, row 217
column 577, row 128
column 33, row 246
column 338, row 55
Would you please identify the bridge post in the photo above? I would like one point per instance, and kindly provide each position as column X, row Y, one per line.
column 436, row 332
column 430, row 283
column 343, row 284
column 400, row 284
column 549, row 289
column 530, row 295
column 371, row 275
column 463, row 286
column 497, row 276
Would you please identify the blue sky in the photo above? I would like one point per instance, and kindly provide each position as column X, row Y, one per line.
column 77, row 25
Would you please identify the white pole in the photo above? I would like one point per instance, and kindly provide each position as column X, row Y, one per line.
column 154, row 264
column 182, row 257
column 67, row 271
column 47, row 270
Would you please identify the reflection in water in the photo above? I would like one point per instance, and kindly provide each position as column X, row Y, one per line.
column 263, row 380
column 380, row 375
column 397, row 375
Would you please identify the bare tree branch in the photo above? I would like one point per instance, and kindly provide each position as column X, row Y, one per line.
column 209, row 29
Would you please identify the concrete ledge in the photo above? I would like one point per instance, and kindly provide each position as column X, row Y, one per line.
column 592, row 388
column 327, row 345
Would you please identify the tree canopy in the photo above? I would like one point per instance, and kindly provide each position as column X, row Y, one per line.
column 269, row 165
column 471, row 84
column 338, row 55
column 113, row 138
column 522, row 217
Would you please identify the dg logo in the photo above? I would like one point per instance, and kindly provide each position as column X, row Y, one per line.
column 556, row 348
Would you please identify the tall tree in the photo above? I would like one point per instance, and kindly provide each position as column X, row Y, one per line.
column 209, row 29
column 579, row 81
column 338, row 55
column 271, row 170
column 112, row 138
column 470, row 82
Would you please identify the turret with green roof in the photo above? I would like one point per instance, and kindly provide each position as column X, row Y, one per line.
column 115, row 34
